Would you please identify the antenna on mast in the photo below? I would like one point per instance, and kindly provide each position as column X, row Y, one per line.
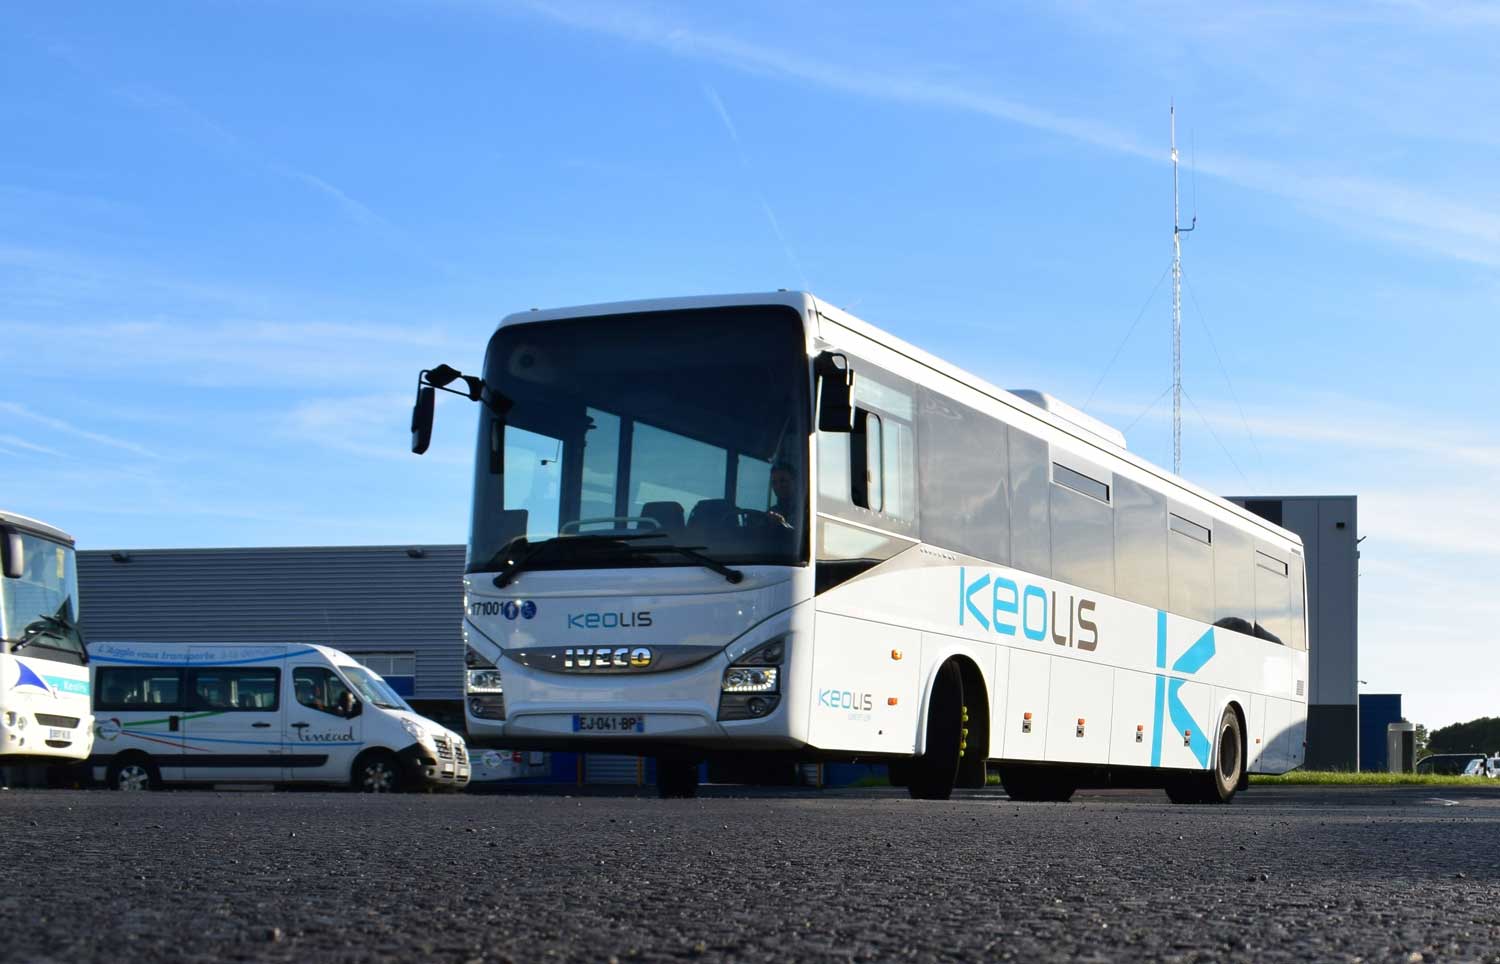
column 1177, row 231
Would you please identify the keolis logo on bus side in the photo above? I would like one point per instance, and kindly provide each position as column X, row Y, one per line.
column 1002, row 605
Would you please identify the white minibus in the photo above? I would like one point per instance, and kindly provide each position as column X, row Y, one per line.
column 294, row 714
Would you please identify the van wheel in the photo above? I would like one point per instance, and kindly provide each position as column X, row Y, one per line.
column 1218, row 784
column 133, row 772
column 676, row 778
column 932, row 775
column 377, row 772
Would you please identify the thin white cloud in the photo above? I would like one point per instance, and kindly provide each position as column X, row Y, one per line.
column 717, row 103
column 20, row 411
column 1377, row 208
column 21, row 443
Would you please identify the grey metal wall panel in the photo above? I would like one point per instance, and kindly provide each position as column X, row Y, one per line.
column 360, row 598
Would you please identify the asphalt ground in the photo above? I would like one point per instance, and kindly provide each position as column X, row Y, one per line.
column 1372, row 874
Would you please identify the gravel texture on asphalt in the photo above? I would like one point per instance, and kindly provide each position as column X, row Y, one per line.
column 1283, row 874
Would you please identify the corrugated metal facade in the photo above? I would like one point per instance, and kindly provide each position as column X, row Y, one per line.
column 353, row 598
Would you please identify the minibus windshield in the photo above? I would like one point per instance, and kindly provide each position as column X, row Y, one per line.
column 373, row 690
column 39, row 610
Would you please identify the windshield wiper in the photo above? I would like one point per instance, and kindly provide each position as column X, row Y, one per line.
column 531, row 552
column 691, row 552
column 55, row 626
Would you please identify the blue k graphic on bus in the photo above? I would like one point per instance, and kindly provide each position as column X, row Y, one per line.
column 1169, row 692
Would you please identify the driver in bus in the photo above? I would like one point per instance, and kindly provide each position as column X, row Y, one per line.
column 784, row 492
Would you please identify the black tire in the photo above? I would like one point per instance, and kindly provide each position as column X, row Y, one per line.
column 1037, row 784
column 898, row 772
column 133, row 771
column 377, row 771
column 676, row 779
column 1216, row 785
column 932, row 775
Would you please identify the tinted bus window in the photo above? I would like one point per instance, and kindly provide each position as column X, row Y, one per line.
column 1031, row 514
column 965, row 481
column 1234, row 581
column 1140, row 544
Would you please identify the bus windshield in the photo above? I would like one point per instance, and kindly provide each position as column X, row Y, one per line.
column 39, row 611
column 646, row 435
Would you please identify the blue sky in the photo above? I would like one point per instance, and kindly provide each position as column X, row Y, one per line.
column 232, row 233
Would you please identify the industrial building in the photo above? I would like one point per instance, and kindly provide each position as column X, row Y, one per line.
column 398, row 610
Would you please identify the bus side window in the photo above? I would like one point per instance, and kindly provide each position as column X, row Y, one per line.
column 865, row 461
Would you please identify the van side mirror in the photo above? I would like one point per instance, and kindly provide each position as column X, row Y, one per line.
column 356, row 709
column 421, row 418
column 12, row 553
column 835, row 393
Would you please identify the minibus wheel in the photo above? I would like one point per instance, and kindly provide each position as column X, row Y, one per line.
column 133, row 771
column 377, row 771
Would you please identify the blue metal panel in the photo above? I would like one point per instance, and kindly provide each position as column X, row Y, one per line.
column 1376, row 711
column 403, row 685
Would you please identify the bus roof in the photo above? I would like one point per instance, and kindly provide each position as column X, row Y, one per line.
column 806, row 302
column 35, row 527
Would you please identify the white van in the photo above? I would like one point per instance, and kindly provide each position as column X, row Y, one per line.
column 173, row 713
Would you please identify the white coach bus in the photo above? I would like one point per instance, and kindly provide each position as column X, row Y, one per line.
column 754, row 524
column 44, row 677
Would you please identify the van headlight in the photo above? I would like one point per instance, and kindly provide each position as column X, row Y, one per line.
column 417, row 732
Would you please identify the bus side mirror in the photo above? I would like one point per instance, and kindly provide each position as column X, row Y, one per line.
column 13, row 553
column 835, row 394
column 421, row 418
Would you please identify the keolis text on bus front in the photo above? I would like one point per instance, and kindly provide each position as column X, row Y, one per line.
column 1003, row 606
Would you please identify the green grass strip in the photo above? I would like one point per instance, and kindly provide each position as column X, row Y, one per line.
column 1337, row 778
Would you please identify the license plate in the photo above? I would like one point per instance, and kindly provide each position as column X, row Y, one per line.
column 56, row 734
column 590, row 723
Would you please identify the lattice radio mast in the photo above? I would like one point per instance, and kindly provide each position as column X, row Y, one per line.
column 1177, row 231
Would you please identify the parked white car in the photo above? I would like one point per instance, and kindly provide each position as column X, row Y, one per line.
column 1483, row 767
column 168, row 713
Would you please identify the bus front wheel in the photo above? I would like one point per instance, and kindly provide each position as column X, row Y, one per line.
column 676, row 779
column 932, row 775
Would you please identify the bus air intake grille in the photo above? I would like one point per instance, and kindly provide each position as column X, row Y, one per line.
column 51, row 719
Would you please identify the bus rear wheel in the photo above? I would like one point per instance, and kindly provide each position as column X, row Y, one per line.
column 1219, row 783
column 932, row 775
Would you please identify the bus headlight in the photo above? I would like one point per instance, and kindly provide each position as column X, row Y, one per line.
column 485, row 681
column 751, row 679
column 751, row 687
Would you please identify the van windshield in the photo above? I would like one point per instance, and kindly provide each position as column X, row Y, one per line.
column 372, row 689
